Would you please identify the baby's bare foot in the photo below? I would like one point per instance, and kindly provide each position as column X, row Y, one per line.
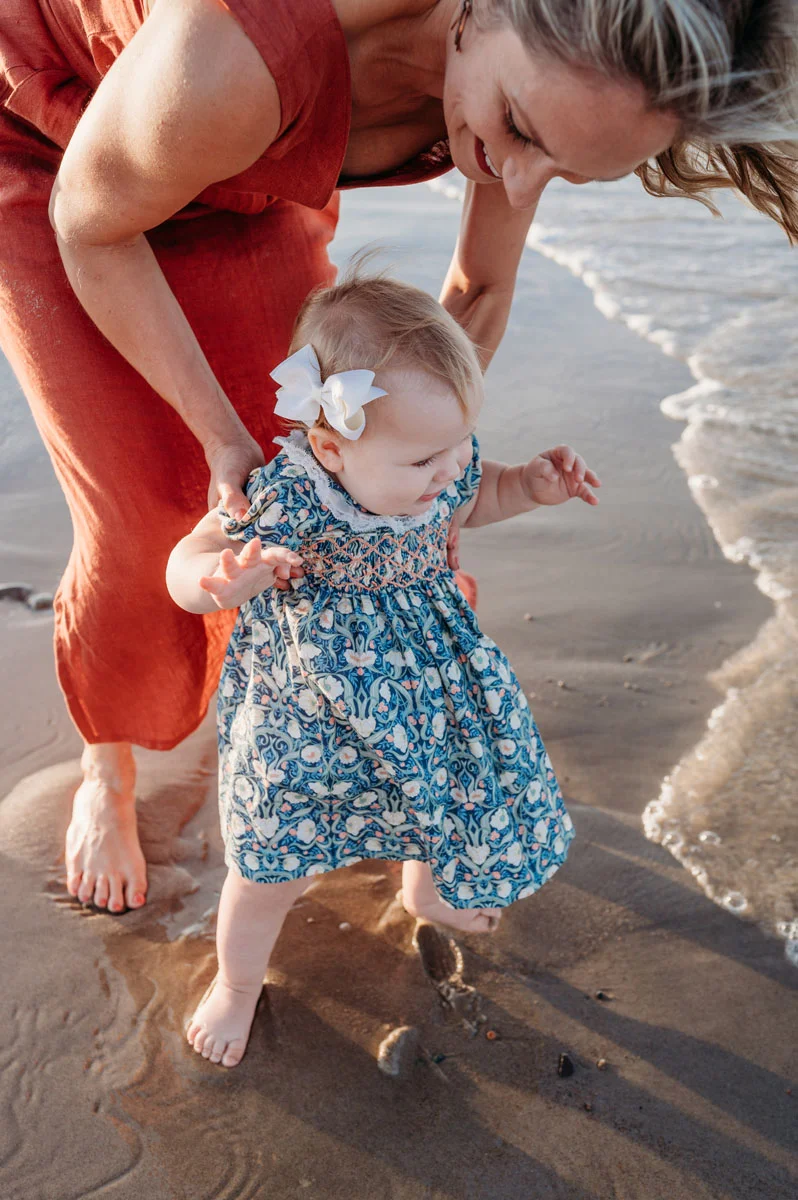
column 104, row 862
column 467, row 920
column 219, row 1029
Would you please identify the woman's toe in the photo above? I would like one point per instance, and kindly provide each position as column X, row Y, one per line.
column 74, row 880
column 86, row 889
column 116, row 894
column 102, row 891
column 136, row 893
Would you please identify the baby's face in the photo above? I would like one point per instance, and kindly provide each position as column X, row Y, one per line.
column 417, row 440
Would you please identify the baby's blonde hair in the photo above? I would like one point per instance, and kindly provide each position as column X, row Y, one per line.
column 368, row 321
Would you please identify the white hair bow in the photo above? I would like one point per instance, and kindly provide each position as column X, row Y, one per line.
column 302, row 394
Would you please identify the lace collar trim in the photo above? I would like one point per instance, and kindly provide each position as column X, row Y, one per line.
column 297, row 450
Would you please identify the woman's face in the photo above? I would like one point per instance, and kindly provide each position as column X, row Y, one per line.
column 518, row 120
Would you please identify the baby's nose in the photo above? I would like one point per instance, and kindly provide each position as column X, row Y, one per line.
column 449, row 470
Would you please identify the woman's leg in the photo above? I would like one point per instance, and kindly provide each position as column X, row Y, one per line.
column 420, row 898
column 104, row 862
column 251, row 916
column 133, row 667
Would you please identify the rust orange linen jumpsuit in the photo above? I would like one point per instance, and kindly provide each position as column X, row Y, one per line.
column 241, row 259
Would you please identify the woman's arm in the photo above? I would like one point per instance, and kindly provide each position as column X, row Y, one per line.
column 188, row 102
column 479, row 285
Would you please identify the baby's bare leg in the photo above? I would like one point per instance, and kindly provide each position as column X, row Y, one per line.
column 421, row 899
column 251, row 916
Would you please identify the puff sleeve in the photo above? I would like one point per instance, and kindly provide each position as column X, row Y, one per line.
column 281, row 509
column 467, row 485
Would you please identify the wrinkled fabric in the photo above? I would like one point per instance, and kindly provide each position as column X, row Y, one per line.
column 240, row 259
column 364, row 714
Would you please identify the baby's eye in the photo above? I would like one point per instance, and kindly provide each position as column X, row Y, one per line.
column 425, row 462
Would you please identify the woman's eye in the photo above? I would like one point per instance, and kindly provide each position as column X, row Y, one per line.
column 514, row 131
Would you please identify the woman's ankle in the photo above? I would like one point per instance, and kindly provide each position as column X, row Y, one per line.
column 111, row 765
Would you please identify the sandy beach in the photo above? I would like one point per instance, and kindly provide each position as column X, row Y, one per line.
column 678, row 1019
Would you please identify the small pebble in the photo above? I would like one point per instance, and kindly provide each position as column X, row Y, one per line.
column 40, row 601
column 588, row 1106
column 528, row 617
column 439, row 1058
column 601, row 1063
column 310, row 920
column 532, row 695
column 561, row 683
column 492, row 1035
column 344, row 927
column 628, row 658
column 565, row 1066
column 601, row 995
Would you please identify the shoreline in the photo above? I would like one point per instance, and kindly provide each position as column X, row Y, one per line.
column 693, row 1103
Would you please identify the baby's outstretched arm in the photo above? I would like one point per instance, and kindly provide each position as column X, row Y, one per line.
column 549, row 478
column 207, row 570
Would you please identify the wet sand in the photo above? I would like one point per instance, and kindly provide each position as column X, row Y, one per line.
column 101, row 1097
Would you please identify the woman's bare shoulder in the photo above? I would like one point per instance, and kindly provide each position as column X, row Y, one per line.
column 189, row 102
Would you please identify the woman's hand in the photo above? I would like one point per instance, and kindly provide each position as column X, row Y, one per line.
column 229, row 464
column 238, row 578
column 558, row 475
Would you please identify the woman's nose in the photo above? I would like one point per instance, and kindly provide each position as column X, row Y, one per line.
column 524, row 185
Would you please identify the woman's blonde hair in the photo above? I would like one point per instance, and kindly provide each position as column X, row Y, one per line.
column 728, row 69
column 370, row 320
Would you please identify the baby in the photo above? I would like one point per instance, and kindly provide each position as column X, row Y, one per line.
column 362, row 712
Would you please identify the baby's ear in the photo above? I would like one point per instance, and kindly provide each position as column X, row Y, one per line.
column 326, row 447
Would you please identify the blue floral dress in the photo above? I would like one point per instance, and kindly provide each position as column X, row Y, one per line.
column 363, row 714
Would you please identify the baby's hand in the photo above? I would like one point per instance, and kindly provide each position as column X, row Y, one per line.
column 558, row 475
column 238, row 578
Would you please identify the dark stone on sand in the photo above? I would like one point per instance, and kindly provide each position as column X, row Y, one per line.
column 19, row 592
column 565, row 1066
column 601, row 995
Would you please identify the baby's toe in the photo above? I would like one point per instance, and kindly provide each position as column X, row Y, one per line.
column 217, row 1049
column 234, row 1053
column 200, row 1038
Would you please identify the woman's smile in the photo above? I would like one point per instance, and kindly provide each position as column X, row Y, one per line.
column 483, row 159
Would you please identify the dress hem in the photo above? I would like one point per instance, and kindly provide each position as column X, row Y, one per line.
column 498, row 902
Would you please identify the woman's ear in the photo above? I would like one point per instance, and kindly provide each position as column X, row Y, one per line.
column 327, row 448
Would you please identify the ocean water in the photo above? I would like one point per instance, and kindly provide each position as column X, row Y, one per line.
column 722, row 294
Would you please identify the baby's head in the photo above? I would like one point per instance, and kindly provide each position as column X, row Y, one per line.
column 416, row 437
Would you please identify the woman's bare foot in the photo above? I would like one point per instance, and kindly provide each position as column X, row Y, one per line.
column 105, row 865
column 219, row 1029
column 420, row 898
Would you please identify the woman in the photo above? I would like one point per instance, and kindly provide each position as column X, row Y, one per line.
column 222, row 131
